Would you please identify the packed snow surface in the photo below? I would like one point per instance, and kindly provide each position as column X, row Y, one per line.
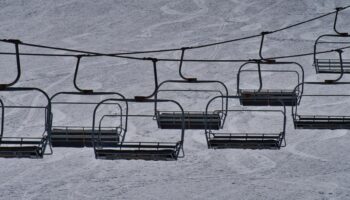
column 314, row 165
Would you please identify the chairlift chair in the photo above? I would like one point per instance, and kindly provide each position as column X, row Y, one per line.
column 25, row 147
column 81, row 136
column 322, row 121
column 316, row 121
column 224, row 140
column 270, row 97
column 137, row 150
column 331, row 65
column 193, row 119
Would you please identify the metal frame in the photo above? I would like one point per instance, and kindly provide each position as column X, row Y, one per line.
column 2, row 119
column 320, row 121
column 261, row 48
column 18, row 63
column 26, row 147
column 138, row 150
column 79, row 57
column 269, row 98
column 79, row 136
column 189, row 79
column 224, row 102
column 248, row 140
column 331, row 62
column 83, row 132
column 158, row 85
column 154, row 64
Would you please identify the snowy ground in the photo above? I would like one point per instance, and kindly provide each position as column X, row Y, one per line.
column 314, row 165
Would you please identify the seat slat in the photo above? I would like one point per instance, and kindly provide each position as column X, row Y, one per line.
column 18, row 142
column 56, row 131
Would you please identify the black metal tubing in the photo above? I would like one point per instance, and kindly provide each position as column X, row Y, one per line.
column 154, row 62
column 267, row 70
column 225, row 93
column 240, row 70
column 48, row 113
column 2, row 118
column 260, row 78
column 126, row 117
column 340, row 52
column 121, row 122
column 89, row 53
column 183, row 49
column 261, row 47
column 238, row 97
column 127, row 101
column 18, row 61
column 75, row 77
column 85, row 94
column 120, row 55
column 335, row 22
column 299, row 99
column 111, row 116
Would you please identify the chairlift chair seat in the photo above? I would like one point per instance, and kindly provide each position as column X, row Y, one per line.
column 22, row 148
column 161, row 150
column 193, row 120
column 141, row 150
column 244, row 141
column 268, row 97
column 82, row 137
column 322, row 122
column 331, row 66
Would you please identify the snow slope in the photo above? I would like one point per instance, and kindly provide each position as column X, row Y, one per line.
column 314, row 165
